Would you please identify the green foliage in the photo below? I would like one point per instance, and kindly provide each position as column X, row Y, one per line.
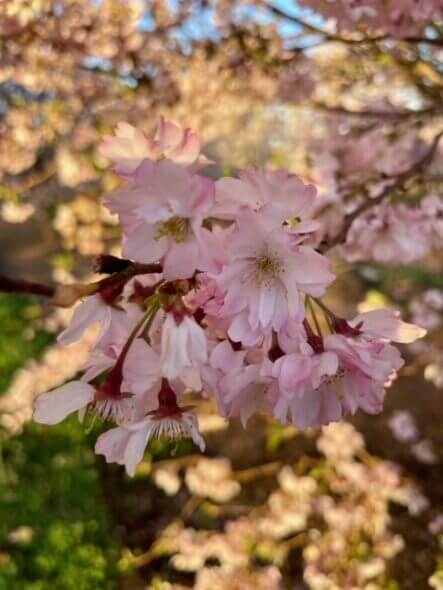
column 54, row 528
column 18, row 340
column 54, row 532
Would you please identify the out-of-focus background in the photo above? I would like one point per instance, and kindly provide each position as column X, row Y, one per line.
column 356, row 506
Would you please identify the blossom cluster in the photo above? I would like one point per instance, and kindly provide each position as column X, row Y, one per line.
column 354, row 167
column 227, row 302
column 396, row 233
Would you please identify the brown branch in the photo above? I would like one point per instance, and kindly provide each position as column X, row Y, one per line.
column 10, row 285
column 67, row 295
column 398, row 182
column 349, row 40
column 369, row 114
column 107, row 264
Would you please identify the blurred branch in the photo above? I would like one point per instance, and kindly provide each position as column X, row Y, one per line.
column 10, row 285
column 398, row 182
column 349, row 40
column 389, row 115
column 253, row 473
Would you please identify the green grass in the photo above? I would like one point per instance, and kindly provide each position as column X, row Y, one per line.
column 50, row 485
column 55, row 532
column 19, row 341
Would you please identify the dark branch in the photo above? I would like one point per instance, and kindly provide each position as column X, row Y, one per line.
column 368, row 114
column 350, row 40
column 67, row 295
column 10, row 285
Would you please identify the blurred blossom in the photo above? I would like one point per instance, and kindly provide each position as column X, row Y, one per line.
column 167, row 479
column 12, row 212
column 297, row 82
column 412, row 498
column 212, row 478
column 436, row 524
column 434, row 370
column 403, row 427
column 217, row 578
column 424, row 452
column 427, row 309
column 340, row 442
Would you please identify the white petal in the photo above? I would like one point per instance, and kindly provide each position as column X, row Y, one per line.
column 91, row 310
column 135, row 448
column 197, row 343
column 174, row 352
column 53, row 407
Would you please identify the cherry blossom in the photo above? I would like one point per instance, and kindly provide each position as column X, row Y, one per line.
column 266, row 275
column 388, row 234
column 230, row 309
column 130, row 146
column 162, row 212
column 126, row 445
column 277, row 195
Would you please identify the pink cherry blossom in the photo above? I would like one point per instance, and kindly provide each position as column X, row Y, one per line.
column 388, row 325
column 266, row 274
column 432, row 211
column 162, row 212
column 126, row 445
column 130, row 146
column 238, row 385
column 364, row 370
column 297, row 390
column 231, row 310
column 400, row 19
column 275, row 194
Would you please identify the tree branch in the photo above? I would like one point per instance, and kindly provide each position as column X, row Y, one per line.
column 67, row 295
column 349, row 40
column 370, row 114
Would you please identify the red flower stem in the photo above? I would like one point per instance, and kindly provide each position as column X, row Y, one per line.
column 144, row 324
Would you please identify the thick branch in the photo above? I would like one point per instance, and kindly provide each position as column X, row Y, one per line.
column 398, row 182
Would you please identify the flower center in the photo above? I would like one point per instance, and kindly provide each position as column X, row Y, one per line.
column 175, row 227
column 268, row 267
